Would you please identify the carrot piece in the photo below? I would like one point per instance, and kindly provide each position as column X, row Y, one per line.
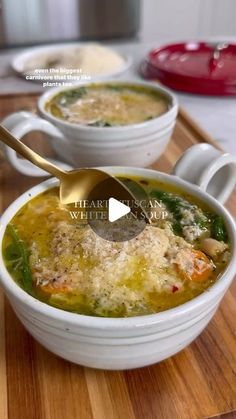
column 195, row 266
column 50, row 289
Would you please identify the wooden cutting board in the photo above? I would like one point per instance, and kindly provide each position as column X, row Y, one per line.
column 199, row 382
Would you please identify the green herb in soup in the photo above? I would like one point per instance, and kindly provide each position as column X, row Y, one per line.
column 65, row 264
column 108, row 105
column 17, row 258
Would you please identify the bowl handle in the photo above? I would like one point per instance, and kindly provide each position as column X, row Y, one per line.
column 20, row 124
column 209, row 168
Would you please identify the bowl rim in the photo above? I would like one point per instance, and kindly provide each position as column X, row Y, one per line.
column 50, row 93
column 12, row 289
column 107, row 142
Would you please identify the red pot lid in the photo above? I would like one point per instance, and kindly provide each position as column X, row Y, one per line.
column 195, row 67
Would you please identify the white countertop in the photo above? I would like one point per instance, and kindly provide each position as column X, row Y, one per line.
column 216, row 115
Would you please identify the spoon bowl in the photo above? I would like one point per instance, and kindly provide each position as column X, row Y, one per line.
column 75, row 185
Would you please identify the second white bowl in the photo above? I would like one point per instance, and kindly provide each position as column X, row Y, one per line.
column 134, row 145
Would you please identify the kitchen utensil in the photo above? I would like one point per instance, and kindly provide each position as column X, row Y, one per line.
column 194, row 67
column 76, row 184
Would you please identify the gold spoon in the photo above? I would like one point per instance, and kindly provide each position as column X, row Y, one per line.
column 75, row 185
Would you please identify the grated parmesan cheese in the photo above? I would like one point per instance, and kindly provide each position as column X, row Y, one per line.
column 112, row 274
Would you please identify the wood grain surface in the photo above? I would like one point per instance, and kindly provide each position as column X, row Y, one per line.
column 199, row 382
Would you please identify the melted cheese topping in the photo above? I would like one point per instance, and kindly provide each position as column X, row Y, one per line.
column 102, row 105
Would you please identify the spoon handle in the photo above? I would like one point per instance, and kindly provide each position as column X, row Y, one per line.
column 7, row 138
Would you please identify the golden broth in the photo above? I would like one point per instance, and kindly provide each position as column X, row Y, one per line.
column 73, row 269
column 107, row 105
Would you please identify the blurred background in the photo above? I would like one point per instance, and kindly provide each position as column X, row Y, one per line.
column 27, row 22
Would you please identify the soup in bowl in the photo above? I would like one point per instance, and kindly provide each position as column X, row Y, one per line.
column 108, row 105
column 111, row 304
column 96, row 124
column 62, row 261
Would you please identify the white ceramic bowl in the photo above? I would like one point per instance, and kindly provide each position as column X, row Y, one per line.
column 118, row 343
column 134, row 145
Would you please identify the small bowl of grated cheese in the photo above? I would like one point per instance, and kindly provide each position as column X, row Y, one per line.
column 70, row 63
